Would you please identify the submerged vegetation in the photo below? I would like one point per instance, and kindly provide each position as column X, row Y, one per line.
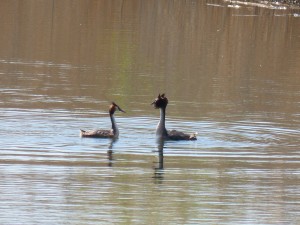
column 296, row 2
column 268, row 3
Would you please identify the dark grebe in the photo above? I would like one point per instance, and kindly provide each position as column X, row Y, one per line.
column 161, row 103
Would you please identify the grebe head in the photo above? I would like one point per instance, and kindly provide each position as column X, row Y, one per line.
column 113, row 107
column 160, row 102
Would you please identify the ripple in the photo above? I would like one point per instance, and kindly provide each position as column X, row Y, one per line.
column 43, row 157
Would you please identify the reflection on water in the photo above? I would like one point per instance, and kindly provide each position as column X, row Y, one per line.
column 238, row 167
column 159, row 167
column 231, row 73
column 110, row 151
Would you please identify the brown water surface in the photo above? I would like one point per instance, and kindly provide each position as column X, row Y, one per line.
column 231, row 73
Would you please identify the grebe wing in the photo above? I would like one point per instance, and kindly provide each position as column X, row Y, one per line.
column 97, row 133
column 178, row 135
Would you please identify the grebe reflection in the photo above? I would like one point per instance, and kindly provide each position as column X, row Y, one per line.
column 110, row 152
column 159, row 165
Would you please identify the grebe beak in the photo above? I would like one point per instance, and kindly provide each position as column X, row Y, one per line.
column 121, row 110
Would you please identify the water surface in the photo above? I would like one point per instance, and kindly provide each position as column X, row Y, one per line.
column 231, row 74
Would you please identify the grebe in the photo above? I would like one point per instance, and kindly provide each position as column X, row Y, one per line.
column 113, row 133
column 161, row 103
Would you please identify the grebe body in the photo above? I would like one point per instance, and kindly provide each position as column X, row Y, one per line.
column 161, row 103
column 113, row 133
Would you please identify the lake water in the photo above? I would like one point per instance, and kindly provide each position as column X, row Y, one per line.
column 231, row 73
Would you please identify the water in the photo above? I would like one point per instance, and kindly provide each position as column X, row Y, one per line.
column 231, row 74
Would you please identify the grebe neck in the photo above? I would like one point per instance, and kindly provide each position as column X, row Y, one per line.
column 114, row 126
column 161, row 127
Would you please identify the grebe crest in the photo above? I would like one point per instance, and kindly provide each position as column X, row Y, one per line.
column 113, row 107
column 113, row 133
column 161, row 103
